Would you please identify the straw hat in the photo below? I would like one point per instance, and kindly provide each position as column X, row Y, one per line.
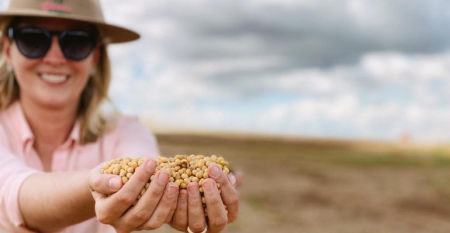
column 81, row 10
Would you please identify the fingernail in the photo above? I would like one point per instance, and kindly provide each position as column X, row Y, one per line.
column 193, row 190
column 183, row 195
column 171, row 190
column 208, row 185
column 232, row 179
column 114, row 184
column 163, row 177
column 151, row 165
column 215, row 173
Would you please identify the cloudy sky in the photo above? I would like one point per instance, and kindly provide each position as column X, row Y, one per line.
column 359, row 69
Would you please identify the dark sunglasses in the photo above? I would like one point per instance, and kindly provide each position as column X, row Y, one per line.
column 34, row 42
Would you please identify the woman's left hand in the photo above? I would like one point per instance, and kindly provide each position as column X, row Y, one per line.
column 189, row 210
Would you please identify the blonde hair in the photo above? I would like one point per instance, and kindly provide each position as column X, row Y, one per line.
column 95, row 120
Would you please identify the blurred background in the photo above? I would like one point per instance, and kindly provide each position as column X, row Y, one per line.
column 347, row 69
column 337, row 111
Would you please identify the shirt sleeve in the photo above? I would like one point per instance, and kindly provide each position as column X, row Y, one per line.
column 135, row 140
column 12, row 175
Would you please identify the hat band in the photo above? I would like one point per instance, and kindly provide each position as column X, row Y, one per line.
column 56, row 8
column 88, row 9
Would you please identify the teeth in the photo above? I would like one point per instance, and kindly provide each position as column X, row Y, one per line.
column 54, row 78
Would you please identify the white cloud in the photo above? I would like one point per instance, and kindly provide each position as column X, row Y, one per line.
column 218, row 66
column 397, row 67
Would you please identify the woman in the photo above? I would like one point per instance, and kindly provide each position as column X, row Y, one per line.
column 55, row 132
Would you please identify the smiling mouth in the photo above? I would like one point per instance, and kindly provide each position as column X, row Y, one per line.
column 54, row 78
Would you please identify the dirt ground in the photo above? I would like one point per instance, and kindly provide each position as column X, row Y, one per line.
column 311, row 186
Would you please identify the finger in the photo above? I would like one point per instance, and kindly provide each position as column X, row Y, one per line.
column 229, row 195
column 146, row 205
column 162, row 210
column 172, row 210
column 102, row 215
column 236, row 178
column 239, row 178
column 180, row 217
column 97, row 196
column 104, row 183
column 232, row 179
column 125, row 197
column 196, row 214
column 217, row 215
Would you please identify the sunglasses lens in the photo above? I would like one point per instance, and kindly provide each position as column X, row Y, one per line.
column 77, row 45
column 32, row 42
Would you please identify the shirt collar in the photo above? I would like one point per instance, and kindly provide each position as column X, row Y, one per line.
column 75, row 134
column 20, row 123
column 25, row 134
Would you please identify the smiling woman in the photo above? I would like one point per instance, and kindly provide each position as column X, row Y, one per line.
column 56, row 131
column 54, row 75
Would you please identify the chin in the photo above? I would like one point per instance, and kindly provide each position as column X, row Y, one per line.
column 53, row 102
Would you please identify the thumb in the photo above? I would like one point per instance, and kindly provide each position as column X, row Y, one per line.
column 104, row 183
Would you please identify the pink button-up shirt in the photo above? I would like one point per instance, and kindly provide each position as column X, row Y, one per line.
column 19, row 160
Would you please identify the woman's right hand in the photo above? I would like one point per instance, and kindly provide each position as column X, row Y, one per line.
column 153, row 208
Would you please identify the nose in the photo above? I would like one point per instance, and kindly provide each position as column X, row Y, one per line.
column 54, row 56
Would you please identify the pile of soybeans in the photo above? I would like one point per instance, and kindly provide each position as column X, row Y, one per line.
column 183, row 169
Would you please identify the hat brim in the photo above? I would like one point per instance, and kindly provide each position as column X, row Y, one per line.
column 113, row 33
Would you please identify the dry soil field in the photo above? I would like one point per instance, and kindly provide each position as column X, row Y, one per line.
column 310, row 186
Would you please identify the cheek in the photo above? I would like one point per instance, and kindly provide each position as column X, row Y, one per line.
column 21, row 63
column 82, row 71
column 24, row 70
